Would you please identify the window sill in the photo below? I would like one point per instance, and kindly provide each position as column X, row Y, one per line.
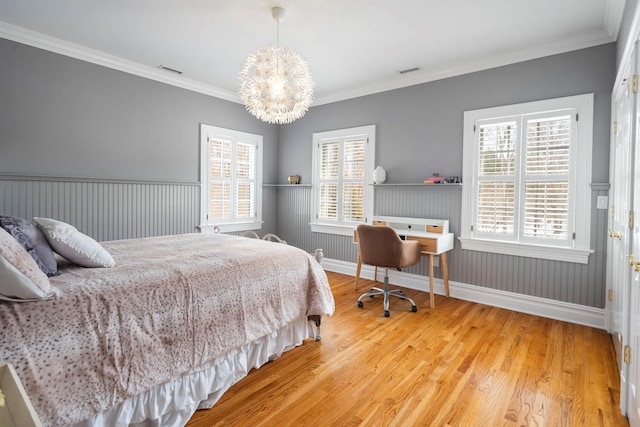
column 230, row 227
column 340, row 230
column 579, row 256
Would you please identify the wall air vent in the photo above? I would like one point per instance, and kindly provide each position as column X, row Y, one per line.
column 409, row 70
column 171, row 70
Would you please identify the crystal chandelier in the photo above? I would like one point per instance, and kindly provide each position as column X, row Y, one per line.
column 275, row 83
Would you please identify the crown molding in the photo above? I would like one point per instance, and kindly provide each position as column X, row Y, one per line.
column 580, row 41
column 62, row 47
column 613, row 17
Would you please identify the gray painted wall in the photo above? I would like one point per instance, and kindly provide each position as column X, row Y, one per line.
column 419, row 128
column 61, row 117
column 419, row 132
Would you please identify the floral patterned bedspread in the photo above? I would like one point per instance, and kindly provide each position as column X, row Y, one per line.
column 170, row 304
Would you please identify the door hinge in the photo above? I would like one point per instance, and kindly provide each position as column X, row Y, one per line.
column 577, row 117
column 472, row 228
column 627, row 354
column 615, row 127
column 630, row 222
column 610, row 294
column 634, row 83
column 613, row 211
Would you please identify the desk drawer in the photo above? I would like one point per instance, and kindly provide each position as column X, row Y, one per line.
column 435, row 229
column 428, row 245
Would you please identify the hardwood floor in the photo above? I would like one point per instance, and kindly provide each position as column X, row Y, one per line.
column 460, row 364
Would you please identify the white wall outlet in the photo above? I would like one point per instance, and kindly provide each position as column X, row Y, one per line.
column 436, row 261
column 602, row 202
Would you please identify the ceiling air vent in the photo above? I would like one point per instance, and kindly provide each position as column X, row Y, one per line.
column 171, row 70
column 409, row 70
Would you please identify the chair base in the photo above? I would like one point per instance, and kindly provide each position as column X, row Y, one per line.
column 386, row 292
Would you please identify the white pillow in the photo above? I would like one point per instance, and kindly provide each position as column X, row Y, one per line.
column 75, row 246
column 20, row 276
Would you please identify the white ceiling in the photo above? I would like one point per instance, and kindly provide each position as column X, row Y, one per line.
column 354, row 47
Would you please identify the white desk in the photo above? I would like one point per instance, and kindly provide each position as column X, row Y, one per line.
column 434, row 236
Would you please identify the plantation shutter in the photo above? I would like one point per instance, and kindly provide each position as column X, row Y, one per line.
column 220, row 161
column 245, row 180
column 353, row 180
column 496, row 192
column 527, row 179
column 546, row 178
column 329, row 180
column 342, row 180
column 523, row 186
column 232, row 180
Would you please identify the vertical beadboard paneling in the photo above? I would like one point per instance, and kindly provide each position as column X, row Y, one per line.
column 105, row 210
column 269, row 209
column 569, row 282
column 294, row 215
column 423, row 202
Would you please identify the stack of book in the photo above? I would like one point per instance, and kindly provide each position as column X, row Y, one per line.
column 435, row 180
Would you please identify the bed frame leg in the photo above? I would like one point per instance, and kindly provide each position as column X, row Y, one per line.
column 317, row 320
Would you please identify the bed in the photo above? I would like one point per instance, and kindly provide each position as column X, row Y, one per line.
column 167, row 330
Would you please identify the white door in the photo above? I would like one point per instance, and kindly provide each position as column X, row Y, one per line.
column 618, row 245
column 633, row 407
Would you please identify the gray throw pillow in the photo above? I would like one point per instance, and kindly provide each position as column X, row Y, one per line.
column 33, row 241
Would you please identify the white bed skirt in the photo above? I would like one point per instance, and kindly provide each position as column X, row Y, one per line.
column 173, row 403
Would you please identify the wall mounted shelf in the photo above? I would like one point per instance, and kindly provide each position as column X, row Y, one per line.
column 286, row 185
column 417, row 184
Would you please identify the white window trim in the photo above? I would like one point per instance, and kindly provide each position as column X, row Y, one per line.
column 222, row 226
column 581, row 250
column 340, row 229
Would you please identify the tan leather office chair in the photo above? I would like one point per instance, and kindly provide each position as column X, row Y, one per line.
column 382, row 247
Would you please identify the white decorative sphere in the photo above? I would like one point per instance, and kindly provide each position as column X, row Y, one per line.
column 276, row 85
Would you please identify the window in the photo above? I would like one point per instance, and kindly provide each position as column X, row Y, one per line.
column 231, row 179
column 342, row 171
column 527, row 175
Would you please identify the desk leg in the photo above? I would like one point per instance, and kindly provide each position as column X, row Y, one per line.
column 355, row 285
column 445, row 272
column 432, row 300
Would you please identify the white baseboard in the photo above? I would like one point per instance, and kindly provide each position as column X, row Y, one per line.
column 544, row 307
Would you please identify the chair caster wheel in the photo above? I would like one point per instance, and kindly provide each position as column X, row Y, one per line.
column 386, row 313
column 360, row 304
column 414, row 308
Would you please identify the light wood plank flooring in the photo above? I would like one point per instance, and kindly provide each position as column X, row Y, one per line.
column 460, row 364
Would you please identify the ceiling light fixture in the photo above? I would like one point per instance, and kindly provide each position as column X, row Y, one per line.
column 275, row 83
